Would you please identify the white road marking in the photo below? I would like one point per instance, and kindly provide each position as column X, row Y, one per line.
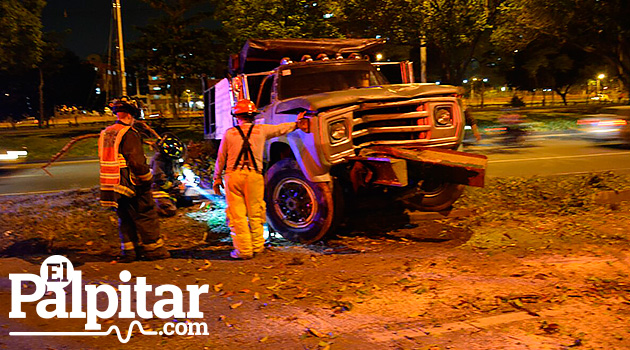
column 29, row 175
column 559, row 157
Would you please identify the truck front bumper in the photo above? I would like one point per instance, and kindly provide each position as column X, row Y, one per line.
column 386, row 165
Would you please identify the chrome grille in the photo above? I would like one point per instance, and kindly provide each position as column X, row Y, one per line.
column 390, row 122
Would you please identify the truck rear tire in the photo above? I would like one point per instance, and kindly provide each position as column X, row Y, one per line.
column 300, row 210
column 439, row 196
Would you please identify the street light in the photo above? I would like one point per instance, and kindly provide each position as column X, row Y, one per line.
column 599, row 79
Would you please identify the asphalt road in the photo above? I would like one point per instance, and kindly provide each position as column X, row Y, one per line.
column 552, row 154
column 541, row 155
column 30, row 178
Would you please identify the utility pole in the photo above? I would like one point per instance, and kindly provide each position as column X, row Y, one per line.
column 423, row 59
column 121, row 49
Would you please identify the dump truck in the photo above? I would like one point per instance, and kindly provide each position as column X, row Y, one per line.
column 366, row 136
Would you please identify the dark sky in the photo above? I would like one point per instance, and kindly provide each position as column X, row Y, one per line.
column 89, row 22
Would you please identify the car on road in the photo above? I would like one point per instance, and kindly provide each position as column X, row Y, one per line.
column 612, row 124
column 600, row 98
column 28, row 121
column 10, row 157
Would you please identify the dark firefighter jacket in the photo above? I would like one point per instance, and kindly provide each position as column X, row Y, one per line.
column 124, row 168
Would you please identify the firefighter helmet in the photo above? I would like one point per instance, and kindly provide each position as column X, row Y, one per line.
column 126, row 104
column 171, row 146
column 244, row 108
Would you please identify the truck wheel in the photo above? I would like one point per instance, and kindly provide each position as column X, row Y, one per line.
column 439, row 195
column 300, row 210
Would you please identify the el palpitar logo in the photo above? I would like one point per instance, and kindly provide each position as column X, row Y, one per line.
column 57, row 272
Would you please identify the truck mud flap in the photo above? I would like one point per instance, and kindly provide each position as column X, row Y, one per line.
column 452, row 166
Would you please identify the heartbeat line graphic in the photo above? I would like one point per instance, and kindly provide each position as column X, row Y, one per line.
column 108, row 332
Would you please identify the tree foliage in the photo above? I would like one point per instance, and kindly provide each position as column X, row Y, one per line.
column 267, row 19
column 400, row 21
column 177, row 45
column 548, row 64
column 454, row 28
column 594, row 26
column 21, row 27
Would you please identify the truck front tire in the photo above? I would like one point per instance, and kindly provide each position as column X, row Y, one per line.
column 439, row 196
column 300, row 210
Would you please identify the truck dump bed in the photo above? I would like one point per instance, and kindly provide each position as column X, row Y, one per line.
column 259, row 55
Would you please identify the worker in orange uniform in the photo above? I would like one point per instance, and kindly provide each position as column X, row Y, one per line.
column 126, row 185
column 240, row 155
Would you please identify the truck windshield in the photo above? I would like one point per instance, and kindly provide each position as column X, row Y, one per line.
column 307, row 80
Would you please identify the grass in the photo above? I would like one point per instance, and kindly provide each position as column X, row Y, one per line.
column 536, row 120
column 43, row 144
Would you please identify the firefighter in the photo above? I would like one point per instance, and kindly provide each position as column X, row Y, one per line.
column 240, row 155
column 126, row 185
column 165, row 164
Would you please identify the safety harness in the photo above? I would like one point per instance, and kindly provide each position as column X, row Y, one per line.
column 246, row 151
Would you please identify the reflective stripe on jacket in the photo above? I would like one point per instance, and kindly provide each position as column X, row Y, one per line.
column 112, row 162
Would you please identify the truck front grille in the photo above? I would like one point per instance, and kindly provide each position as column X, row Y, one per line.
column 390, row 122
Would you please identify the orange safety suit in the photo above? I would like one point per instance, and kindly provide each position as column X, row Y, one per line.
column 240, row 155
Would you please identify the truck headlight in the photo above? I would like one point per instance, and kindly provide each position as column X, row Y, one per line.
column 443, row 116
column 338, row 131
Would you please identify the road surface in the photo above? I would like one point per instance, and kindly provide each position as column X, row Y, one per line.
column 559, row 154
column 30, row 178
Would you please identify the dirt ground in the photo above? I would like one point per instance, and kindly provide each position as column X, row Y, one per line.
column 521, row 264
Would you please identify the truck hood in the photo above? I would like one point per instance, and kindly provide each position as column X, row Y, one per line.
column 392, row 92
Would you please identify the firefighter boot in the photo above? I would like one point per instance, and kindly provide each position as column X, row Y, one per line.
column 157, row 254
column 128, row 256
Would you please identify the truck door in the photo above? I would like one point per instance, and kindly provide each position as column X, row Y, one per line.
column 264, row 97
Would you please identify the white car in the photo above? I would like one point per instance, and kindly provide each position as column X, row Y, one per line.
column 12, row 156
column 612, row 124
column 601, row 98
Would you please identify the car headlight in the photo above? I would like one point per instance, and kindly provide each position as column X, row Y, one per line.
column 443, row 116
column 338, row 131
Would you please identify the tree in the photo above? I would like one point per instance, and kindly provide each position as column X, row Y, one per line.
column 600, row 28
column 21, row 43
column 176, row 46
column 269, row 19
column 400, row 21
column 50, row 64
column 454, row 28
column 21, row 27
column 549, row 65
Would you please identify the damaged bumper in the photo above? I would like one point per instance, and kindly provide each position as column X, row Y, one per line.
column 385, row 165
